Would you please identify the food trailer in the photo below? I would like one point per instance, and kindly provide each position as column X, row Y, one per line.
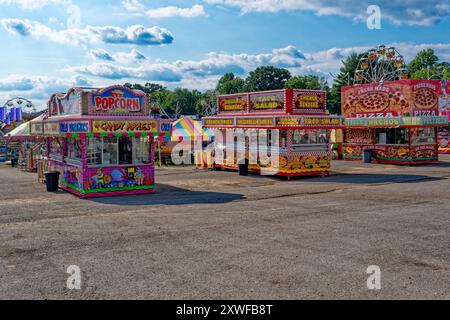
column 392, row 122
column 293, row 124
column 101, row 141
column 444, row 108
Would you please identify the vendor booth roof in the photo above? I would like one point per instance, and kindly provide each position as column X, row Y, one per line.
column 188, row 129
column 21, row 131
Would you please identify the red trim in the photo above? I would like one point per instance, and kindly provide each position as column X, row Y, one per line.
column 352, row 159
column 281, row 174
column 392, row 161
column 275, row 127
column 412, row 162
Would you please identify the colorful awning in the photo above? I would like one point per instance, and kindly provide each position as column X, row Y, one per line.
column 188, row 129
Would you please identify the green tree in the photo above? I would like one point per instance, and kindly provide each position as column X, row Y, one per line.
column 267, row 78
column 446, row 73
column 307, row 82
column 423, row 60
column 344, row 78
column 229, row 84
column 148, row 88
column 165, row 100
column 207, row 104
column 426, row 65
column 185, row 101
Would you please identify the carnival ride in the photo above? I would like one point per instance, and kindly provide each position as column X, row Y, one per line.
column 380, row 64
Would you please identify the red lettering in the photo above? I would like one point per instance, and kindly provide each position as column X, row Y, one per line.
column 123, row 104
column 111, row 103
column 136, row 105
column 98, row 103
column 105, row 104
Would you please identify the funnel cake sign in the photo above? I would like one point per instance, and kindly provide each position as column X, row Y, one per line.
column 117, row 100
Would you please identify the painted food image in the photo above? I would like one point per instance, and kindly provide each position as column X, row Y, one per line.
column 425, row 98
column 352, row 150
column 118, row 178
column 373, row 102
column 399, row 153
column 359, row 136
column 283, row 162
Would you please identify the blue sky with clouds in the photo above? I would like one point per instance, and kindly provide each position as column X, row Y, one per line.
column 51, row 45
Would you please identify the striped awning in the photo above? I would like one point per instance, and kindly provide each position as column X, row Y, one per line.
column 188, row 129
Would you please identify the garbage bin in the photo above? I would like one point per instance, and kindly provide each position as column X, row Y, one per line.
column 367, row 156
column 52, row 181
column 14, row 162
column 243, row 168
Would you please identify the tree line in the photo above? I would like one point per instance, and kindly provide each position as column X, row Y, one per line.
column 182, row 101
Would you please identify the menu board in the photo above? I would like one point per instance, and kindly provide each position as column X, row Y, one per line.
column 232, row 104
column 309, row 101
column 266, row 102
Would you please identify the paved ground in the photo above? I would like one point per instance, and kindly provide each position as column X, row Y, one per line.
column 218, row 235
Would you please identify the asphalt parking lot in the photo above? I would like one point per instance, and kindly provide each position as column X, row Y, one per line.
column 217, row 235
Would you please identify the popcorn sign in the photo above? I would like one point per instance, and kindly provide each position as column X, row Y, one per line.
column 117, row 100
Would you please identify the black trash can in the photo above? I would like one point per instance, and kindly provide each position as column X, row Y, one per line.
column 14, row 162
column 52, row 181
column 367, row 156
column 243, row 168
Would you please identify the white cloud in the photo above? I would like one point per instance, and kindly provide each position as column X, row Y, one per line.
column 201, row 71
column 36, row 88
column 171, row 11
column 35, row 4
column 215, row 64
column 133, row 5
column 417, row 12
column 136, row 34
column 100, row 54
column 133, row 56
column 137, row 7
column 195, row 74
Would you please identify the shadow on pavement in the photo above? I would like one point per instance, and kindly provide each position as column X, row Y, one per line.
column 342, row 177
column 377, row 178
column 170, row 195
column 440, row 164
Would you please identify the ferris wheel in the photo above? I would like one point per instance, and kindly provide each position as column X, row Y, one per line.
column 379, row 65
column 12, row 111
column 23, row 103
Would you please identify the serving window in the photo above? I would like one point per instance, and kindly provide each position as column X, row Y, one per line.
column 56, row 149
column 111, row 151
column 74, row 151
column 94, row 151
column 392, row 136
column 420, row 136
column 303, row 140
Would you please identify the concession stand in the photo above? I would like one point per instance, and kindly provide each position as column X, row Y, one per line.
column 291, row 126
column 444, row 108
column 392, row 122
column 101, row 141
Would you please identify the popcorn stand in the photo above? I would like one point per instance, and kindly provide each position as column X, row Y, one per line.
column 392, row 122
column 100, row 141
column 297, row 117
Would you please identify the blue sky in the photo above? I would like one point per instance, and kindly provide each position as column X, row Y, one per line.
column 51, row 45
